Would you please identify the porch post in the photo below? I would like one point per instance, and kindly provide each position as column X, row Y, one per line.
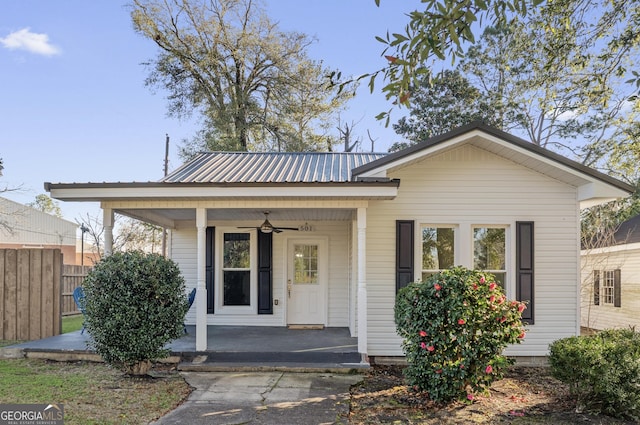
column 201, row 289
column 107, row 222
column 362, row 283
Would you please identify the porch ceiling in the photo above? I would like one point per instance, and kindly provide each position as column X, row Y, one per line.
column 169, row 216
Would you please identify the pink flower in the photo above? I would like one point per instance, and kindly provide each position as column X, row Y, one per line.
column 502, row 319
column 521, row 307
column 501, row 299
column 437, row 286
column 470, row 397
column 431, row 348
column 422, row 333
column 522, row 335
column 492, row 286
column 475, row 286
column 482, row 279
column 439, row 371
column 423, row 345
column 492, row 298
column 461, row 321
column 488, row 369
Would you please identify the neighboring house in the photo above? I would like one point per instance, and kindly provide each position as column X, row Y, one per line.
column 611, row 280
column 366, row 225
column 26, row 227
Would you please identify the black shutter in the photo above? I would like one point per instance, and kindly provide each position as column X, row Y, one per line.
column 524, row 268
column 265, row 262
column 596, row 287
column 404, row 253
column 209, row 271
column 617, row 299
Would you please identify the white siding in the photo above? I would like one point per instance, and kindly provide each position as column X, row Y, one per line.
column 33, row 227
column 469, row 186
column 627, row 259
column 183, row 251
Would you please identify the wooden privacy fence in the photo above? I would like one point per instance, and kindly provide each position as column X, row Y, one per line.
column 30, row 293
column 72, row 277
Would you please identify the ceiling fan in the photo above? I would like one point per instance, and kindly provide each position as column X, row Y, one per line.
column 267, row 227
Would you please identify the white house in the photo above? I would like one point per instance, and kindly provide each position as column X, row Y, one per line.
column 611, row 280
column 358, row 226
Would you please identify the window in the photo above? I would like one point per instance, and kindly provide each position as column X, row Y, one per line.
column 489, row 252
column 306, row 264
column 607, row 287
column 438, row 250
column 236, row 269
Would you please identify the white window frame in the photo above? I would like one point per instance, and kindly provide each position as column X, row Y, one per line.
column 220, row 308
column 607, row 287
column 508, row 253
column 456, row 246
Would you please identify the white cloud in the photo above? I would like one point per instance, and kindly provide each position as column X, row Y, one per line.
column 24, row 39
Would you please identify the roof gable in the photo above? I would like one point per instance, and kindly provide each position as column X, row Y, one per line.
column 271, row 167
column 593, row 186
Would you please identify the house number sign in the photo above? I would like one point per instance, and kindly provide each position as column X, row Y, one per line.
column 306, row 227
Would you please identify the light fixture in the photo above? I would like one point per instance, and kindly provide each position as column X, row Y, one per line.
column 266, row 227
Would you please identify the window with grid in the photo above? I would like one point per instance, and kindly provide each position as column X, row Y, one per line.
column 438, row 249
column 608, row 284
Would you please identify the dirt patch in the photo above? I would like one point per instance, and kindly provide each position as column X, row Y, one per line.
column 527, row 395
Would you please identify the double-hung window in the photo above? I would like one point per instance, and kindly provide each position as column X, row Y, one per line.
column 236, row 269
column 438, row 249
column 489, row 252
column 608, row 284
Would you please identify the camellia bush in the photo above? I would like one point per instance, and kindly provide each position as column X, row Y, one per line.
column 135, row 304
column 602, row 371
column 455, row 326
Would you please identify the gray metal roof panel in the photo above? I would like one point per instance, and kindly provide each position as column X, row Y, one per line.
column 270, row 167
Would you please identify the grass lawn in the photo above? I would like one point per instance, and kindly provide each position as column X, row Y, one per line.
column 72, row 323
column 92, row 393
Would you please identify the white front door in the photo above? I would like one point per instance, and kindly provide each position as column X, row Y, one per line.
column 306, row 282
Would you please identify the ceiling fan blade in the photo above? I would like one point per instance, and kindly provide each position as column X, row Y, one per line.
column 286, row 228
column 247, row 227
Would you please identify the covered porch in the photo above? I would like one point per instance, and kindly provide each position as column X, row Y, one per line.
column 195, row 243
column 230, row 347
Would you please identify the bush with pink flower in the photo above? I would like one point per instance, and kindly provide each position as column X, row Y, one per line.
column 455, row 326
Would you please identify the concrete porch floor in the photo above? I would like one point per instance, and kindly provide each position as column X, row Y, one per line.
column 228, row 347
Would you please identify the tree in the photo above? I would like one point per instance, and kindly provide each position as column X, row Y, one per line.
column 47, row 205
column 254, row 84
column 443, row 29
column 441, row 103
column 129, row 235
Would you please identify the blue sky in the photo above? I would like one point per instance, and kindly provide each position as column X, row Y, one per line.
column 74, row 108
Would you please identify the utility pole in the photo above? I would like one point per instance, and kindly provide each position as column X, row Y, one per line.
column 166, row 171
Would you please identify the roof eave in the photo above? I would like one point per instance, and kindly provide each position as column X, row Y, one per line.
column 98, row 192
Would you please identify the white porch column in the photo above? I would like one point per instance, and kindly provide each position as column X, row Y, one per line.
column 107, row 222
column 362, row 282
column 201, row 288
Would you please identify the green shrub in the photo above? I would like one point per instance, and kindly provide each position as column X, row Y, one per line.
column 602, row 371
column 135, row 305
column 455, row 326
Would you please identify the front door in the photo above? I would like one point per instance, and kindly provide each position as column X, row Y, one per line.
column 306, row 282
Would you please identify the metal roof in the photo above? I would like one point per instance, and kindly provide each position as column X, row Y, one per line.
column 270, row 167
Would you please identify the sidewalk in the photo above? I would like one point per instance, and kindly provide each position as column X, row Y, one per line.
column 264, row 398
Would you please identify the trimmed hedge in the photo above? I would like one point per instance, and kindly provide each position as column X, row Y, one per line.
column 135, row 305
column 602, row 371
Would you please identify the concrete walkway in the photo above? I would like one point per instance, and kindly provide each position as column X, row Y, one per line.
column 264, row 398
